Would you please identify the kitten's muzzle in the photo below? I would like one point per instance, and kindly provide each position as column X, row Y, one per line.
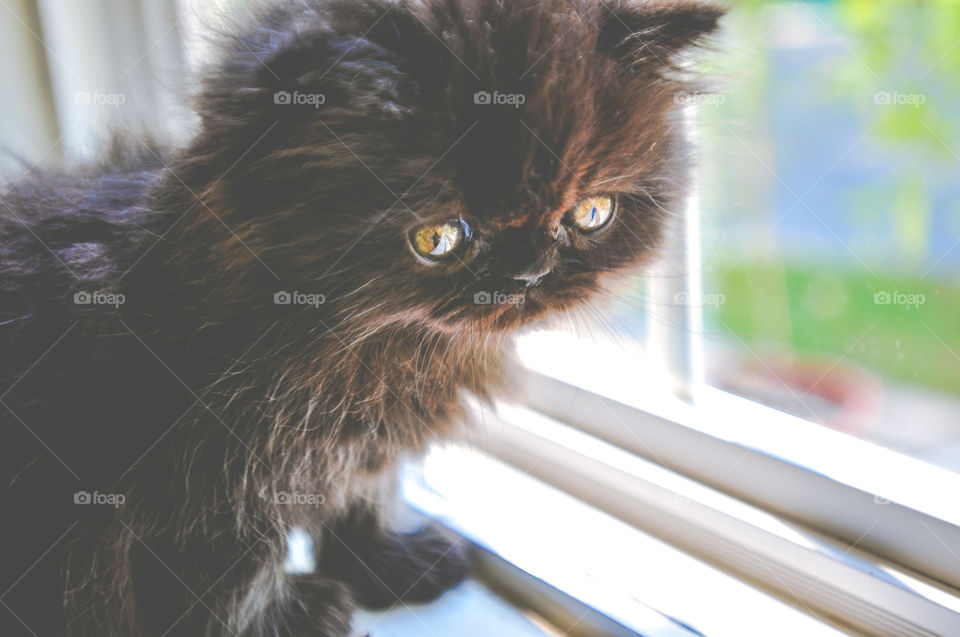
column 534, row 274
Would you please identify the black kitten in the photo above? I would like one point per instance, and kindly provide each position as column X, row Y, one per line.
column 203, row 349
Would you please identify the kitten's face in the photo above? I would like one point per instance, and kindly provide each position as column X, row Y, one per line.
column 474, row 165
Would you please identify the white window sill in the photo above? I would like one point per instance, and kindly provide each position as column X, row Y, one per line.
column 640, row 583
column 896, row 506
column 470, row 610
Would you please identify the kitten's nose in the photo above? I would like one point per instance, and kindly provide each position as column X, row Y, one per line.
column 533, row 275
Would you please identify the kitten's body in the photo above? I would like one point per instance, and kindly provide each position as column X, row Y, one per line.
column 202, row 402
column 201, row 417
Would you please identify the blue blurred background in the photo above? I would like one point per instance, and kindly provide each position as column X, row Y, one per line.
column 831, row 212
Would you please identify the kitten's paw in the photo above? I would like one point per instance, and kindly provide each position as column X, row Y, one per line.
column 437, row 564
column 392, row 568
column 312, row 607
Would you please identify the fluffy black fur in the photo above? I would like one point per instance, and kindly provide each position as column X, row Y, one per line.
column 202, row 402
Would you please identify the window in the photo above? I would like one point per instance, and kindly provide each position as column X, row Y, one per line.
column 831, row 224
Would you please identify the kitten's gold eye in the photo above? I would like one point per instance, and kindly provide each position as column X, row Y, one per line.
column 437, row 240
column 592, row 213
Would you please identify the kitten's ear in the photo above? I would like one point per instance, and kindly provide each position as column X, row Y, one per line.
column 638, row 31
column 373, row 35
column 424, row 57
column 295, row 47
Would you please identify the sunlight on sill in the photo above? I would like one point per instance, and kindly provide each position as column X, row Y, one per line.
column 469, row 610
column 622, row 371
column 631, row 576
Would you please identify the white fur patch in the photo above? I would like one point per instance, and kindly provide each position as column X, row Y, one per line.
column 300, row 554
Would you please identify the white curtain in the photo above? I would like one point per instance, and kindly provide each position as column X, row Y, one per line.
column 75, row 69
column 28, row 120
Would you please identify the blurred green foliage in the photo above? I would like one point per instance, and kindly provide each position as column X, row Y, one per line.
column 906, row 46
column 825, row 310
column 916, row 45
column 910, row 46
